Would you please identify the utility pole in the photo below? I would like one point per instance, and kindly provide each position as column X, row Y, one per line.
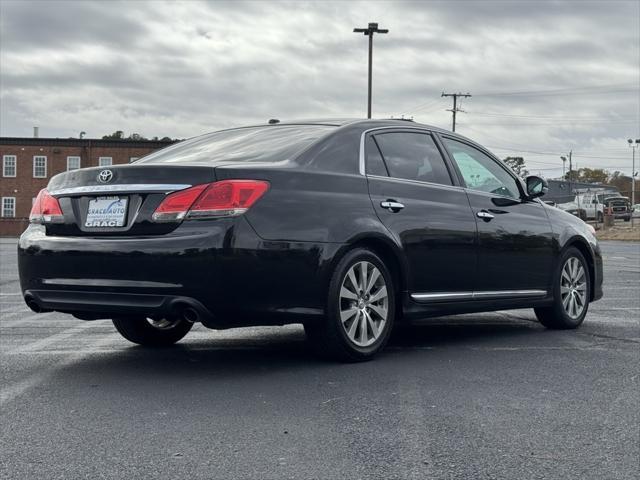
column 455, row 108
column 369, row 31
column 633, row 168
column 569, row 175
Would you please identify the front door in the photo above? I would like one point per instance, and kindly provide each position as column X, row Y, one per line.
column 515, row 240
column 414, row 196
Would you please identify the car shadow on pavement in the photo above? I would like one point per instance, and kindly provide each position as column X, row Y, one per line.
column 276, row 349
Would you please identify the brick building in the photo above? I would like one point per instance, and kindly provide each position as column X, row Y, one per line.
column 29, row 163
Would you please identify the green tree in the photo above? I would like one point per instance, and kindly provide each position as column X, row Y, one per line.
column 118, row 135
column 593, row 175
column 517, row 165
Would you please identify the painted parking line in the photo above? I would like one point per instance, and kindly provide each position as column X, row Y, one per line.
column 52, row 339
column 22, row 321
column 15, row 390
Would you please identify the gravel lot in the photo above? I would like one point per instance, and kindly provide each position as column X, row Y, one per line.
column 475, row 396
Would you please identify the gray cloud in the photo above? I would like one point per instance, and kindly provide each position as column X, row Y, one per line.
column 183, row 68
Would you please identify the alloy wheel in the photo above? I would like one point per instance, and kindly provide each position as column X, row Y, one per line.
column 162, row 323
column 364, row 304
column 573, row 287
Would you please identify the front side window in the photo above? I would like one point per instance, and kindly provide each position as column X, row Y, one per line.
column 8, row 206
column 73, row 163
column 480, row 171
column 413, row 156
column 8, row 165
column 105, row 161
column 39, row 166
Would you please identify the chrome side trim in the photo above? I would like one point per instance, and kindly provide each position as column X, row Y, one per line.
column 482, row 295
column 509, row 294
column 440, row 297
column 130, row 187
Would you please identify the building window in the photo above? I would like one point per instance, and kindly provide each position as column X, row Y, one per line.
column 39, row 166
column 8, row 165
column 105, row 161
column 133, row 159
column 8, row 206
column 73, row 163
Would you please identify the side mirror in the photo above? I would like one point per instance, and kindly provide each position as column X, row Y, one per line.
column 536, row 186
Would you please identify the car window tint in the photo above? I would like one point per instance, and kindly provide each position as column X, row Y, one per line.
column 481, row 172
column 413, row 156
column 375, row 164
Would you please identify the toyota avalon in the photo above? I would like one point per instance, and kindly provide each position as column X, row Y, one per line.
column 344, row 226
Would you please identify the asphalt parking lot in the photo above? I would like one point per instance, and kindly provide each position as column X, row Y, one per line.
column 476, row 396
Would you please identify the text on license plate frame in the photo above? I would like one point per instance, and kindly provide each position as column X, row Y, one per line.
column 107, row 212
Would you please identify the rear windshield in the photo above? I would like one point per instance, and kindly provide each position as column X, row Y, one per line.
column 254, row 144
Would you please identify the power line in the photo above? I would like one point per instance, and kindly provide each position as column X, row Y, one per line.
column 544, row 117
column 587, row 90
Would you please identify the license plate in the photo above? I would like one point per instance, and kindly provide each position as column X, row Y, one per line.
column 106, row 212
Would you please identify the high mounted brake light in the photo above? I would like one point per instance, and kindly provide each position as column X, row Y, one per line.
column 227, row 198
column 46, row 209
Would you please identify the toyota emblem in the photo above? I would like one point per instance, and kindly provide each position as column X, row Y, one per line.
column 105, row 176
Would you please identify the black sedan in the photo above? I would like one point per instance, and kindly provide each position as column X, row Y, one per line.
column 344, row 226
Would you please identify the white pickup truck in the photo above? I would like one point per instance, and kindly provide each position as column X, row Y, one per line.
column 597, row 205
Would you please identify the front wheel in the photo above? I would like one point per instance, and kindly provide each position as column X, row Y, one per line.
column 152, row 332
column 571, row 293
column 360, row 309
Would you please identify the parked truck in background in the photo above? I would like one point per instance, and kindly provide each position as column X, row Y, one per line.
column 598, row 204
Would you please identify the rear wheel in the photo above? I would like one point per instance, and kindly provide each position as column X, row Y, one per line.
column 360, row 309
column 571, row 292
column 152, row 332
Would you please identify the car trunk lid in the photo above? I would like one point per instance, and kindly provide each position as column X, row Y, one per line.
column 120, row 200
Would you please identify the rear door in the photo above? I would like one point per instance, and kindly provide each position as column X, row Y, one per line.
column 415, row 197
column 515, row 241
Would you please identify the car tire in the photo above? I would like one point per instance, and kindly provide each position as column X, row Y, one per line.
column 359, row 312
column 152, row 332
column 627, row 219
column 571, row 293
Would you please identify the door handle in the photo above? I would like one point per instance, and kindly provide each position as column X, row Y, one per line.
column 392, row 205
column 486, row 216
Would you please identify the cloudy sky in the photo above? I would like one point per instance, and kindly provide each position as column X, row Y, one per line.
column 546, row 77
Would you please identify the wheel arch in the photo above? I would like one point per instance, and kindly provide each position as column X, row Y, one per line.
column 388, row 251
column 583, row 247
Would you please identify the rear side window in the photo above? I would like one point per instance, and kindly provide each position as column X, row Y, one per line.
column 255, row 144
column 413, row 156
column 374, row 162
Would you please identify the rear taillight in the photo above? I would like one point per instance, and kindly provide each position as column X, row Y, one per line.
column 46, row 209
column 227, row 198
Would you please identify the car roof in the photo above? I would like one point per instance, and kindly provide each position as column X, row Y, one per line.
column 377, row 122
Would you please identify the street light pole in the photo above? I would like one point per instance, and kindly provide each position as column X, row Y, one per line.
column 369, row 31
column 633, row 168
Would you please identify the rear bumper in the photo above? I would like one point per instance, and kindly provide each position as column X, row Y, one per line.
column 92, row 305
column 221, row 269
